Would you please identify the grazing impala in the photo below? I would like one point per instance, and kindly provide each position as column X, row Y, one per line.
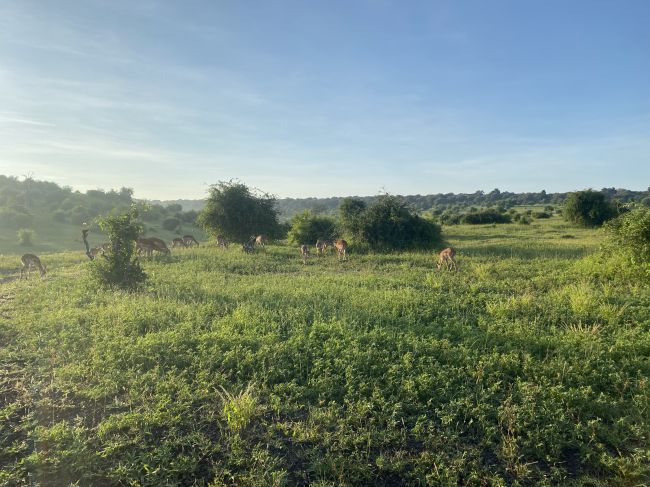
column 29, row 261
column 341, row 246
column 148, row 245
column 321, row 245
column 446, row 258
column 190, row 240
column 260, row 240
column 221, row 241
column 178, row 242
column 304, row 251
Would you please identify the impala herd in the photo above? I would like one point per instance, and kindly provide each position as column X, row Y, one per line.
column 147, row 245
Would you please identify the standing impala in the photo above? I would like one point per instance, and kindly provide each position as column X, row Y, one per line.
column 221, row 241
column 304, row 252
column 29, row 261
column 341, row 246
column 446, row 258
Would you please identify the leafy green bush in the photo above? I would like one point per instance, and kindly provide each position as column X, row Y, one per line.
column 631, row 231
column 171, row 223
column 485, row 216
column 237, row 212
column 79, row 215
column 350, row 211
column 26, row 236
column 588, row 208
column 119, row 267
column 541, row 214
column 12, row 217
column 59, row 215
column 307, row 228
column 391, row 224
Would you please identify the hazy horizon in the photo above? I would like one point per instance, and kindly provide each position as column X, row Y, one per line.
column 326, row 99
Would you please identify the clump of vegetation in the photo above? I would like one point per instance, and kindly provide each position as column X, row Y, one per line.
column 588, row 208
column 307, row 228
column 541, row 214
column 237, row 212
column 630, row 232
column 389, row 223
column 25, row 236
column 238, row 409
column 119, row 266
column 171, row 223
column 485, row 216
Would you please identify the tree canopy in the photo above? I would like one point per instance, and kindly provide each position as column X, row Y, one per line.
column 237, row 212
column 588, row 208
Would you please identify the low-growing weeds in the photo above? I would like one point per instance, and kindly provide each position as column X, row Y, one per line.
column 527, row 367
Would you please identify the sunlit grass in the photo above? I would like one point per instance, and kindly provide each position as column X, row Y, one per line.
column 237, row 369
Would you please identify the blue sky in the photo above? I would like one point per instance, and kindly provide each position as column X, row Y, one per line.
column 326, row 98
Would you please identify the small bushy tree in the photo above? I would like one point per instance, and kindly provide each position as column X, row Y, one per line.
column 307, row 228
column 588, row 208
column 171, row 223
column 631, row 232
column 119, row 267
column 237, row 212
column 485, row 216
column 350, row 211
column 390, row 223
column 26, row 236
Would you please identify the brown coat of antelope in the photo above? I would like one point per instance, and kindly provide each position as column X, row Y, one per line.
column 304, row 252
column 260, row 240
column 190, row 240
column 341, row 246
column 29, row 261
column 321, row 246
column 178, row 242
column 446, row 258
column 148, row 245
column 221, row 241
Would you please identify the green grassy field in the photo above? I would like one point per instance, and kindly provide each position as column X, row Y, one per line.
column 528, row 367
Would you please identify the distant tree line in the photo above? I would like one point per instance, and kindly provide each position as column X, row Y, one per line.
column 23, row 200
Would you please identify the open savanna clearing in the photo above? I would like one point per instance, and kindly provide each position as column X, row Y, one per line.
column 528, row 366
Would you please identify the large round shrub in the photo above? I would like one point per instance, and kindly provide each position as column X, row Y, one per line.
column 390, row 223
column 588, row 208
column 307, row 228
column 631, row 232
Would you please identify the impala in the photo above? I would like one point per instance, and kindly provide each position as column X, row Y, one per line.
column 148, row 245
column 190, row 240
column 260, row 240
column 304, row 251
column 221, row 241
column 321, row 245
column 446, row 258
column 29, row 261
column 341, row 246
column 95, row 251
column 248, row 247
column 178, row 242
